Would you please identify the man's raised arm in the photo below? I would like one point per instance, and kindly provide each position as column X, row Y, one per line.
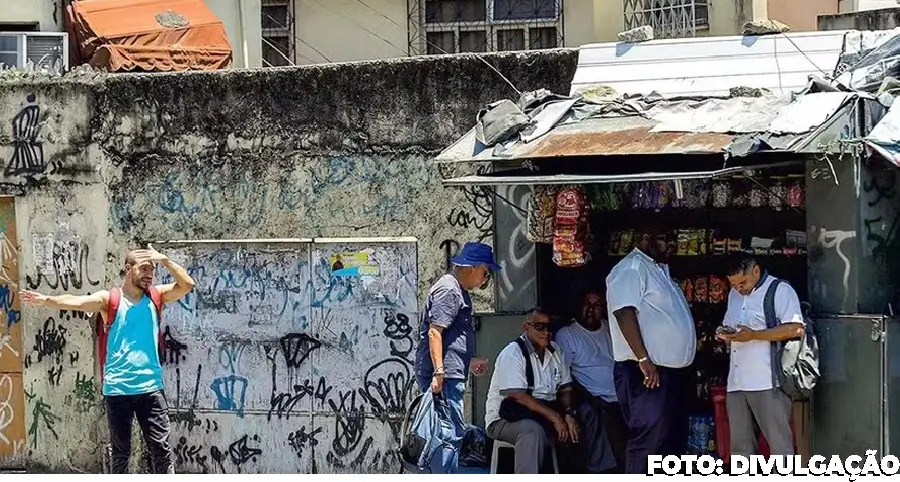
column 183, row 282
column 92, row 303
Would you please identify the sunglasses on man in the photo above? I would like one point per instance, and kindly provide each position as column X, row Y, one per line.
column 541, row 327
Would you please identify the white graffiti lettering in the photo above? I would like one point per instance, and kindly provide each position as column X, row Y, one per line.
column 6, row 410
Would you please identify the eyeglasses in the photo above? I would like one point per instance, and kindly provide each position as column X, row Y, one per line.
column 541, row 327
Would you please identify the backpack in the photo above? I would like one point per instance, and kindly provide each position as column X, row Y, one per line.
column 795, row 363
column 102, row 328
column 529, row 370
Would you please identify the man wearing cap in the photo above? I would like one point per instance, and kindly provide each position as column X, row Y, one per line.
column 446, row 347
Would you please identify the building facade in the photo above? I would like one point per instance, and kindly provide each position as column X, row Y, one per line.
column 319, row 31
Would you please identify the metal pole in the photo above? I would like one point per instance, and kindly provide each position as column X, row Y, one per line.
column 244, row 49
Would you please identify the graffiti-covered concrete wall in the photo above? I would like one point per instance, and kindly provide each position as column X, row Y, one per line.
column 95, row 164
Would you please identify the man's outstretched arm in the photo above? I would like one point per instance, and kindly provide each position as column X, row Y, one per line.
column 92, row 303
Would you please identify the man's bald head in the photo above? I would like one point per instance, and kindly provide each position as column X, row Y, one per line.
column 131, row 258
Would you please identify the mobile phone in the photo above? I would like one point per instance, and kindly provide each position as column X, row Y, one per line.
column 725, row 330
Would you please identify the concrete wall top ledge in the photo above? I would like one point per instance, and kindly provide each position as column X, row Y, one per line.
column 422, row 102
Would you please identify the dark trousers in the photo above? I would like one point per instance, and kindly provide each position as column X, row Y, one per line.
column 656, row 418
column 152, row 415
column 608, row 420
column 595, row 448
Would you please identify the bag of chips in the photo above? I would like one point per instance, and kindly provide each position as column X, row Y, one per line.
column 541, row 214
column 570, row 229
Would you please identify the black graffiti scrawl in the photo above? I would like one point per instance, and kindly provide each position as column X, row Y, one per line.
column 28, row 150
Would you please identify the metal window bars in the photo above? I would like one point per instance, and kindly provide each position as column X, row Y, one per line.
column 456, row 26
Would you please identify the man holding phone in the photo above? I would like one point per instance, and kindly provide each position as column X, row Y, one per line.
column 751, row 393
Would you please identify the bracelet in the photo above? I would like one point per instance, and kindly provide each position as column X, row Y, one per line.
column 439, row 371
column 642, row 360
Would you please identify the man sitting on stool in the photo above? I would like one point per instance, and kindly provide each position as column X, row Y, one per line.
column 587, row 348
column 521, row 407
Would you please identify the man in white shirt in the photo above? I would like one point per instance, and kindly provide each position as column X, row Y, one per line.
column 525, row 415
column 653, row 341
column 752, row 392
column 587, row 347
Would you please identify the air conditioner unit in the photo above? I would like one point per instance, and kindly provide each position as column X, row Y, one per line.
column 41, row 51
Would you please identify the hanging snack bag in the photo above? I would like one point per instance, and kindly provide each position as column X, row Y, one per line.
column 683, row 241
column 626, row 244
column 688, row 289
column 796, row 194
column 570, row 228
column 777, row 195
column 603, row 197
column 758, row 196
column 693, row 246
column 717, row 289
column 541, row 214
column 661, row 194
column 721, row 194
column 696, row 193
column 701, row 294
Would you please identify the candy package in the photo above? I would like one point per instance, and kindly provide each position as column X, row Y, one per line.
column 570, row 229
column 720, row 246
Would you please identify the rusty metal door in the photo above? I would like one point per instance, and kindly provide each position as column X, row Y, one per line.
column 12, row 394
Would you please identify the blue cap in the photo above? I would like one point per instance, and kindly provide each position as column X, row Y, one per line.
column 476, row 254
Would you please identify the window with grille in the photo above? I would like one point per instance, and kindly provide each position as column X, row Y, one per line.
column 276, row 19
column 455, row 26
column 669, row 18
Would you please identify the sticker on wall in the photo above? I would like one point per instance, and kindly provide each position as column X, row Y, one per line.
column 352, row 264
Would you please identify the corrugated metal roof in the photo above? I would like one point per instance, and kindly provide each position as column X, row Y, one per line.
column 709, row 66
column 593, row 137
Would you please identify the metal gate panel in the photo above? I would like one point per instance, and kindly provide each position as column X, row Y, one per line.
column 848, row 404
column 287, row 359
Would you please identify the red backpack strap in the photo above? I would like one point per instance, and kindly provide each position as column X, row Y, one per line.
column 156, row 298
column 112, row 307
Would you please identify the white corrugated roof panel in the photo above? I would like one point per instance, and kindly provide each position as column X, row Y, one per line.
column 709, row 66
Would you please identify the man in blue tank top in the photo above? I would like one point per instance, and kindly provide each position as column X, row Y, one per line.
column 132, row 371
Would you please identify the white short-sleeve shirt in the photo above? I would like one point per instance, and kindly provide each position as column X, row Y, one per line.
column 751, row 361
column 663, row 315
column 590, row 359
column 550, row 375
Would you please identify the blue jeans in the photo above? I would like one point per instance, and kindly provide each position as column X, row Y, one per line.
column 449, row 409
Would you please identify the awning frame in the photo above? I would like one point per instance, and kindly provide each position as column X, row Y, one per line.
column 562, row 179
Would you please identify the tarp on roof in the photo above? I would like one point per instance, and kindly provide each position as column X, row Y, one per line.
column 733, row 127
column 148, row 35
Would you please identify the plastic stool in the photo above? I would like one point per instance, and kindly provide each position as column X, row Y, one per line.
column 499, row 444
